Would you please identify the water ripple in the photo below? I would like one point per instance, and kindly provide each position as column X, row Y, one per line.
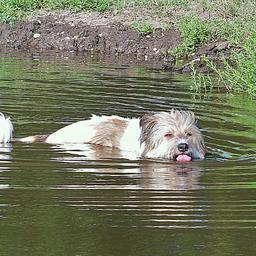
column 117, row 188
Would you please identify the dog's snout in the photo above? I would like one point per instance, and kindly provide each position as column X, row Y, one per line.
column 183, row 147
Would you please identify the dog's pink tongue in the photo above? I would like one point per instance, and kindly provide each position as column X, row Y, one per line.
column 183, row 158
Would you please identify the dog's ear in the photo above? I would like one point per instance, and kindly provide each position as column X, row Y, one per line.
column 197, row 123
column 148, row 121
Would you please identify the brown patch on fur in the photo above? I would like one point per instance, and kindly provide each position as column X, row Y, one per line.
column 147, row 123
column 109, row 133
column 40, row 138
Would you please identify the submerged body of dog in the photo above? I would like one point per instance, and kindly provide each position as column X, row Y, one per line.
column 170, row 135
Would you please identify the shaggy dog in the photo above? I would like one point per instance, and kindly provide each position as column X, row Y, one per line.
column 170, row 135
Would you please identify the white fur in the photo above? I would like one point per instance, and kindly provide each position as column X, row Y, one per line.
column 78, row 132
column 160, row 151
column 130, row 140
column 28, row 139
column 84, row 131
column 6, row 129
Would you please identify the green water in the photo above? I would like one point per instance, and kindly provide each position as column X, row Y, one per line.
column 84, row 200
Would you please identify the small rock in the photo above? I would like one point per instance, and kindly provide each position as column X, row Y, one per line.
column 36, row 35
column 222, row 46
column 186, row 69
column 115, row 12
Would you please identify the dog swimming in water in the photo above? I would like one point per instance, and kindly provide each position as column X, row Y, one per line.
column 169, row 135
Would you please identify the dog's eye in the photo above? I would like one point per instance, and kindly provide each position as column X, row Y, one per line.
column 168, row 135
column 189, row 134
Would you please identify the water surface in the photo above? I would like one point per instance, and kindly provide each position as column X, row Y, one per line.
column 87, row 200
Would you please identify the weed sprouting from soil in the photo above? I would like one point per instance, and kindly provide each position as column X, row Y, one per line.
column 193, row 33
column 143, row 27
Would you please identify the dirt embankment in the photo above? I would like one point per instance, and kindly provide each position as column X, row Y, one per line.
column 105, row 34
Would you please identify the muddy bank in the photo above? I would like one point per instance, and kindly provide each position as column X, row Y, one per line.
column 109, row 35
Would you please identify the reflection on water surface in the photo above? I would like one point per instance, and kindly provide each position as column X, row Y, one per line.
column 87, row 200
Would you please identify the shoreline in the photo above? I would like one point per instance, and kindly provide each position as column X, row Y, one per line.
column 109, row 35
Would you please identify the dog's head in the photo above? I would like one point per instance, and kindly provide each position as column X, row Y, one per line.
column 174, row 135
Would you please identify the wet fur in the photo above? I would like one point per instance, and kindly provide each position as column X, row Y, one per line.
column 162, row 132
column 155, row 135
column 109, row 132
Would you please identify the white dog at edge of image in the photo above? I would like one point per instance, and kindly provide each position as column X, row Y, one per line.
column 169, row 135
column 6, row 129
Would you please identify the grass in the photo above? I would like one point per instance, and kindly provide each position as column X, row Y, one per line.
column 143, row 27
column 233, row 22
column 12, row 11
column 201, row 82
column 79, row 5
column 193, row 33
column 241, row 77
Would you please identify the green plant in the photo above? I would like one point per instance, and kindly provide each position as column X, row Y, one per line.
column 194, row 32
column 143, row 27
column 241, row 76
column 166, row 26
column 13, row 10
column 78, row 5
column 201, row 82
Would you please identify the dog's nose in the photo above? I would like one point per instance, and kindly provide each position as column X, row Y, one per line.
column 183, row 147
